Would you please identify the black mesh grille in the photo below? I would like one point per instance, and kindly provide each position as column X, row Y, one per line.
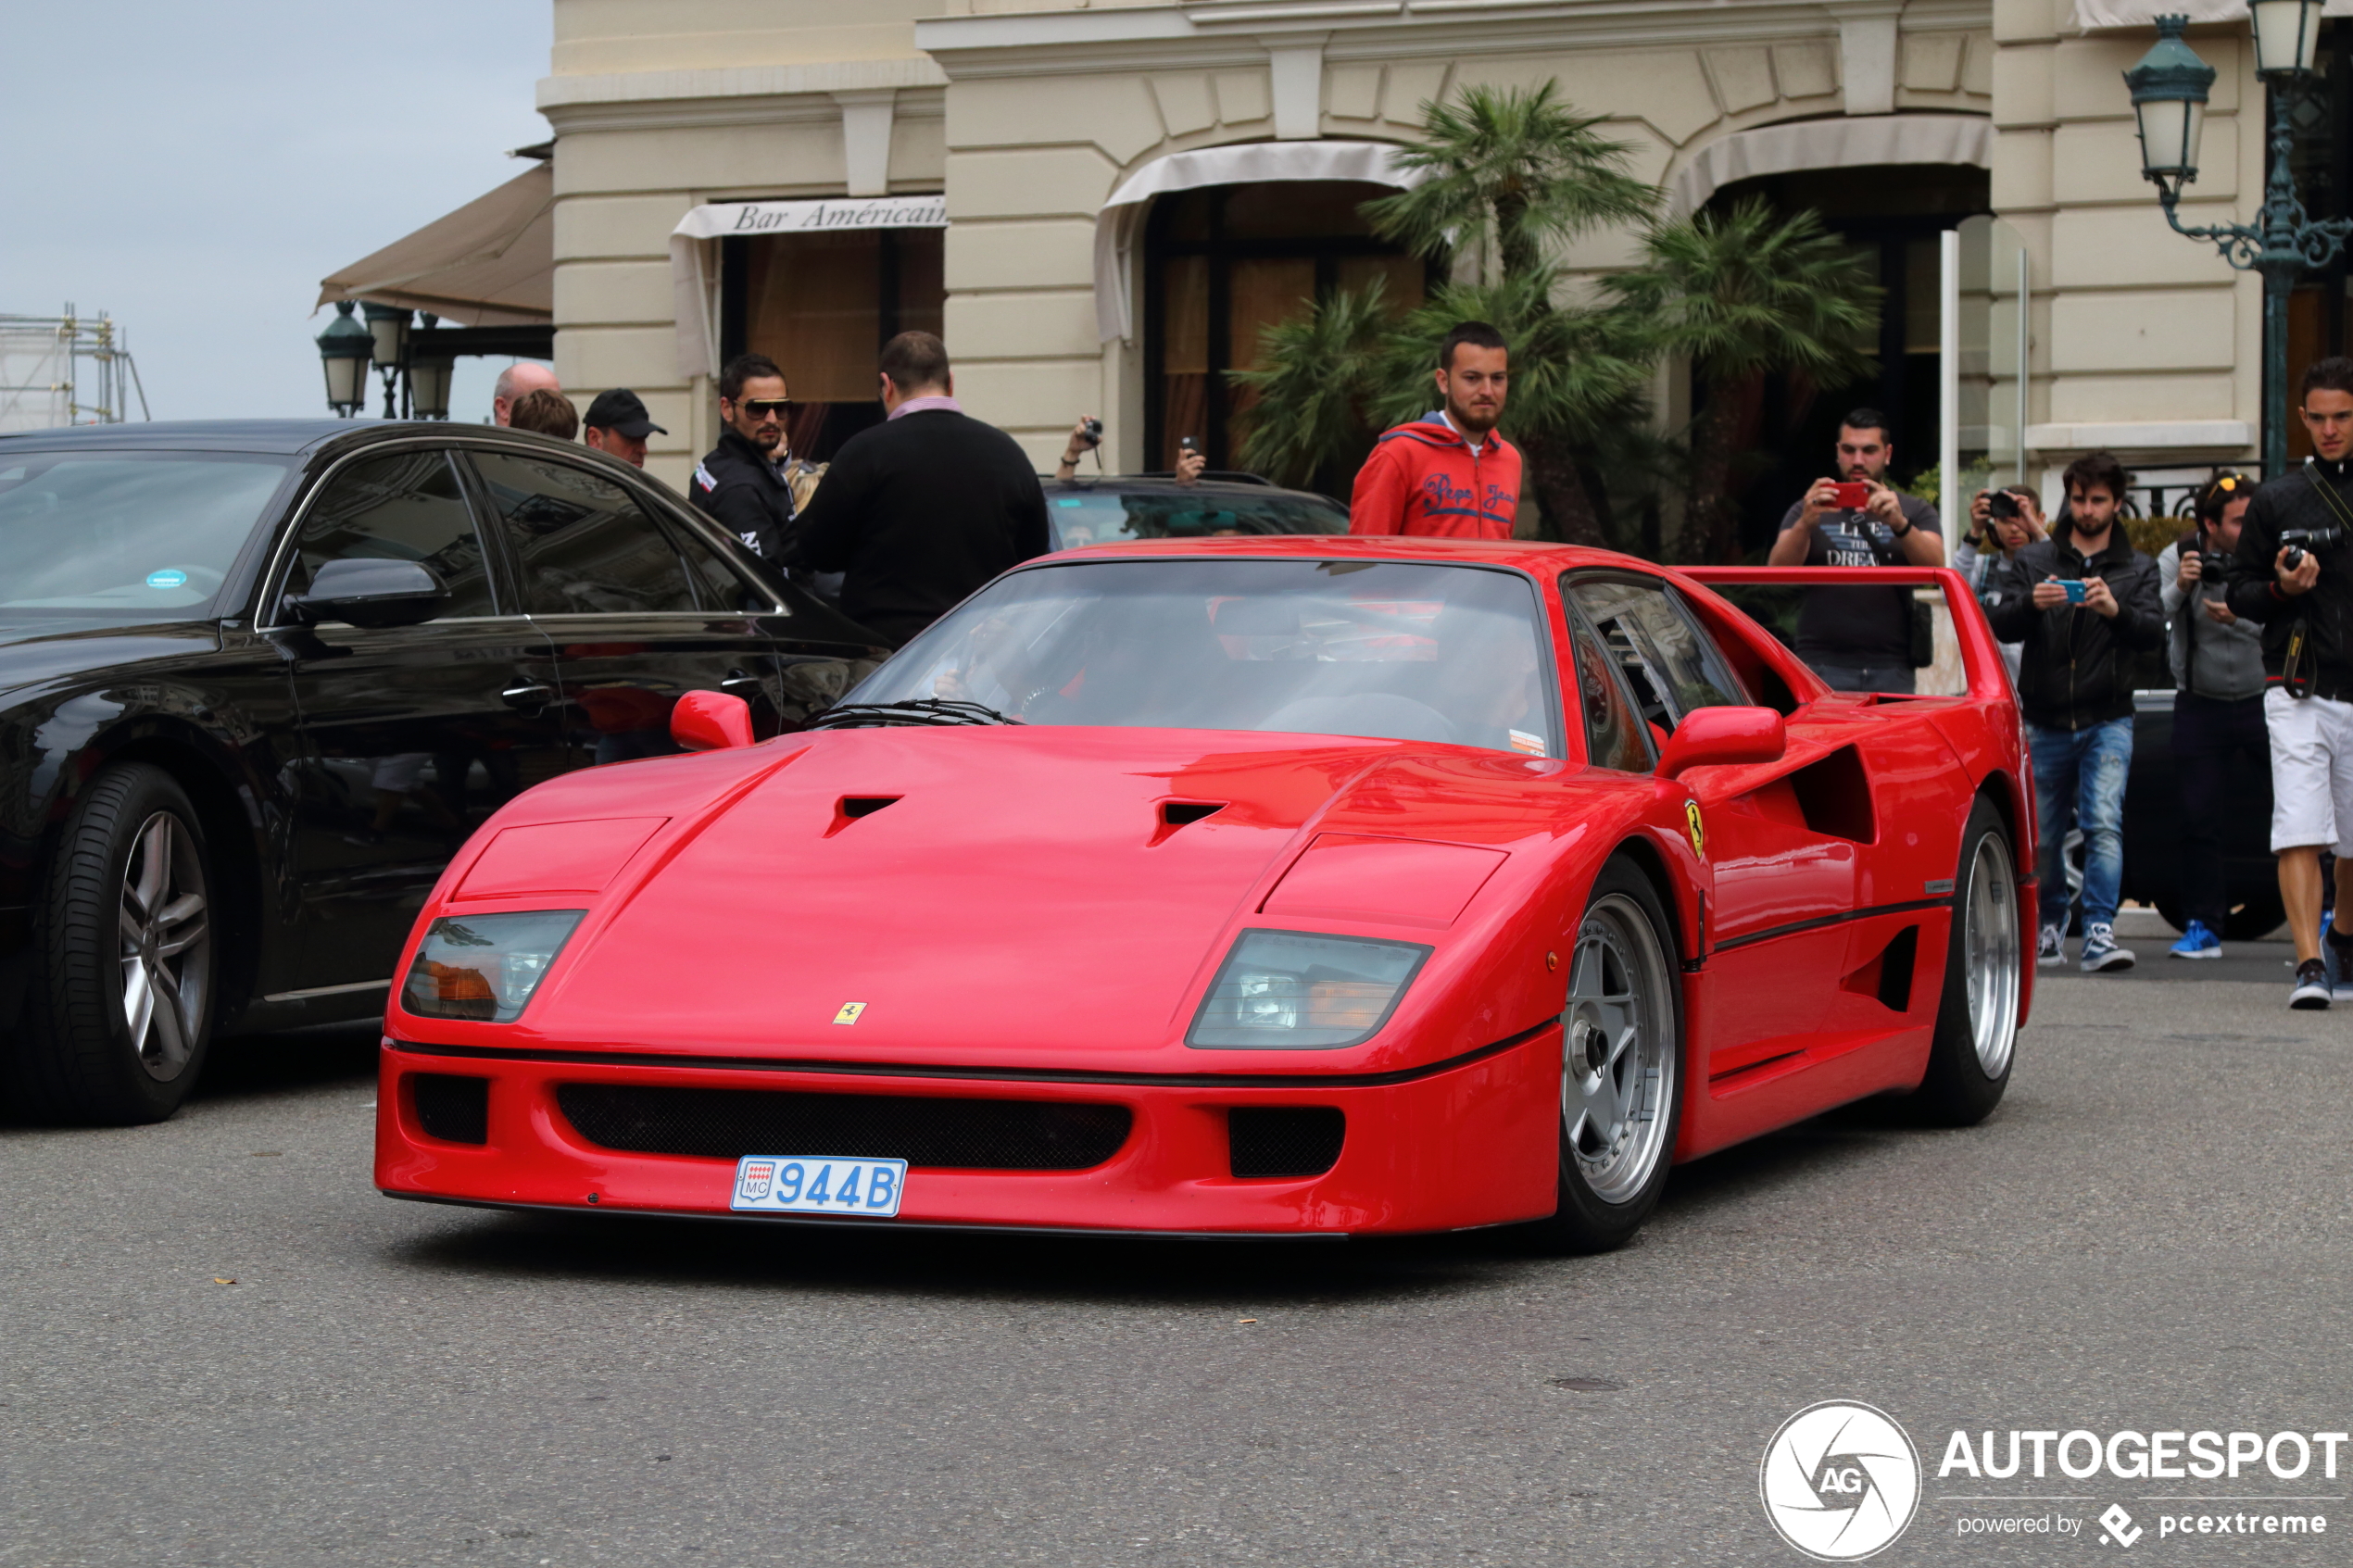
column 973, row 1135
column 452, row 1109
column 1289, row 1140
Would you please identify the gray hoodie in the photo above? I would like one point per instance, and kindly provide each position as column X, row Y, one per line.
column 2225, row 662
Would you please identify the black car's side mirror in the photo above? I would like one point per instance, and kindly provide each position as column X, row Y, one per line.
column 372, row 593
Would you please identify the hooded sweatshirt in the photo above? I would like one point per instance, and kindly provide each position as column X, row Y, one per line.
column 1423, row 479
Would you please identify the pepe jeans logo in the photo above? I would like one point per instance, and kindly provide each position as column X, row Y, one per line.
column 1840, row 1481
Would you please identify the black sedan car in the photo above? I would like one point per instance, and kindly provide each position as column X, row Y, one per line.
column 1153, row 505
column 260, row 681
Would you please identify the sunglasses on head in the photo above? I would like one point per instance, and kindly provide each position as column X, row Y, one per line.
column 760, row 407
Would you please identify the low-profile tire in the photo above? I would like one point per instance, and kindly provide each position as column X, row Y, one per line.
column 119, row 1013
column 1621, row 1088
column 1976, row 1039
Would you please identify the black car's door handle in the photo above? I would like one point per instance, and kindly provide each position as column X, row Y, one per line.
column 531, row 696
column 736, row 681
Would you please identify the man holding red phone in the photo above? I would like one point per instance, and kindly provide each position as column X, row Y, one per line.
column 1860, row 639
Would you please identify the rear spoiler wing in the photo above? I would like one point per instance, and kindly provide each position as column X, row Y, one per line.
column 1982, row 661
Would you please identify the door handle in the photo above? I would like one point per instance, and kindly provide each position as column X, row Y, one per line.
column 736, row 680
column 531, row 696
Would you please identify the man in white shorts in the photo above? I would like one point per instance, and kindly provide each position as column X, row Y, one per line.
column 2293, row 574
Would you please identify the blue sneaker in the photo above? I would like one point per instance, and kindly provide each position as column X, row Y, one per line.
column 2198, row 943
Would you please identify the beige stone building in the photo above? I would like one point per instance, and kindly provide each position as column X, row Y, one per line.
column 1132, row 189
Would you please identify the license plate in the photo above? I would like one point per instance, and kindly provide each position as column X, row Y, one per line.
column 801, row 1184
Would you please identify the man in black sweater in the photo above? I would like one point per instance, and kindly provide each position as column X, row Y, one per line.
column 922, row 509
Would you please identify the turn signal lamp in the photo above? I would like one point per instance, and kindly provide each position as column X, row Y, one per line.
column 485, row 968
column 1289, row 991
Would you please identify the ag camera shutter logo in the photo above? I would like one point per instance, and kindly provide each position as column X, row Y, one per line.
column 1841, row 1480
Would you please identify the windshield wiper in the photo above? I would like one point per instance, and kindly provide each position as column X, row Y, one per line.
column 927, row 710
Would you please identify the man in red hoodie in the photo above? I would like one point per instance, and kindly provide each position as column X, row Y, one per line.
column 1447, row 474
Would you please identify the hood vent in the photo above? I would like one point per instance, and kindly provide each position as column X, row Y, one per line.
column 849, row 808
column 1174, row 814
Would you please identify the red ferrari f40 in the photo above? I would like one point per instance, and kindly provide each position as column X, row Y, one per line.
column 1302, row 886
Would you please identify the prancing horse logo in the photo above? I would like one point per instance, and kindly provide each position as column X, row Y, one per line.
column 1691, row 826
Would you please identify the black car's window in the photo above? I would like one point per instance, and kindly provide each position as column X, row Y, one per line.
column 403, row 505
column 125, row 535
column 716, row 584
column 1667, row 659
column 1614, row 734
column 1098, row 516
column 585, row 547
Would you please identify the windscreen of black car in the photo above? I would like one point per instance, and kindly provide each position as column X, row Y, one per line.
column 1404, row 650
column 1098, row 517
column 125, row 535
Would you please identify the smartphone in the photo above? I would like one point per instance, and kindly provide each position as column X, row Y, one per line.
column 1853, row 495
column 2075, row 589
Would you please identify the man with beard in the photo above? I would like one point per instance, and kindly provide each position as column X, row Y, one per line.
column 745, row 480
column 1860, row 639
column 1448, row 474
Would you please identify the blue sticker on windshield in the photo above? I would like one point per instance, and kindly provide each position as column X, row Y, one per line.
column 1073, row 501
column 170, row 577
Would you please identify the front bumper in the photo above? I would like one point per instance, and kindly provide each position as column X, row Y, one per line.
column 1471, row 1144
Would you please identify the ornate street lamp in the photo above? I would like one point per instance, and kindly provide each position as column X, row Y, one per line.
column 2170, row 88
column 388, row 329
column 344, row 350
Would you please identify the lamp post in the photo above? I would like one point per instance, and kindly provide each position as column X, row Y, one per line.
column 2170, row 88
column 344, row 350
column 389, row 329
column 429, row 380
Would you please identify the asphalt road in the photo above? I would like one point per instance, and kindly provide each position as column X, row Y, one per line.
column 2150, row 1234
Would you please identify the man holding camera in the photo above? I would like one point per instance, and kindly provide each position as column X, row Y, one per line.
column 2217, row 700
column 2292, row 576
column 2082, row 602
column 1860, row 639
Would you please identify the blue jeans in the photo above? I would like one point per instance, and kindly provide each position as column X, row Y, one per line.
column 2079, row 781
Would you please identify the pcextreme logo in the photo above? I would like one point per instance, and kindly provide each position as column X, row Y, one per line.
column 1841, row 1480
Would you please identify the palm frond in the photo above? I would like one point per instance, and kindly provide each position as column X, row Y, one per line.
column 1749, row 290
column 1313, row 381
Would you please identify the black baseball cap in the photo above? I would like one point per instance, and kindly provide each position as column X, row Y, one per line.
column 623, row 410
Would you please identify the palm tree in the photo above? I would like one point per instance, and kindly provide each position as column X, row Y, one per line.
column 1310, row 406
column 1518, row 164
column 1744, row 293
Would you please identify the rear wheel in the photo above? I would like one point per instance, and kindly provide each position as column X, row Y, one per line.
column 1621, row 1091
column 1968, row 1060
column 120, row 1013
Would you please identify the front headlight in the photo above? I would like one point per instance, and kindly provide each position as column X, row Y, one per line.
column 1285, row 991
column 485, row 967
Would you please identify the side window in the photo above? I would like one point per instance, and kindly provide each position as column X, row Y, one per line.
column 404, row 506
column 1666, row 658
column 585, row 546
column 1615, row 735
column 716, row 584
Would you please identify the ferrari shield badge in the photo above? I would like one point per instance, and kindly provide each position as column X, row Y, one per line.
column 849, row 1010
column 1691, row 825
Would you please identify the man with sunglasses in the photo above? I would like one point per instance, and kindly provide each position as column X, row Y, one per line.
column 745, row 481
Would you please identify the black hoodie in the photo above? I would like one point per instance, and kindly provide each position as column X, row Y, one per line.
column 2075, row 668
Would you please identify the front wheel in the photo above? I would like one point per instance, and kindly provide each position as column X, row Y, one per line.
column 1621, row 1091
column 119, row 1013
column 1968, row 1059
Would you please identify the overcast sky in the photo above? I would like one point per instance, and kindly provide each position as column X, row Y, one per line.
column 193, row 169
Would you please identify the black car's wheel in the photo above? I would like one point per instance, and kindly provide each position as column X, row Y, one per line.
column 1968, row 1059
column 2256, row 919
column 1621, row 1092
column 120, row 1011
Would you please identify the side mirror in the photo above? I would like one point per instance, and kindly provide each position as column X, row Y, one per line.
column 372, row 593
column 711, row 721
column 1718, row 737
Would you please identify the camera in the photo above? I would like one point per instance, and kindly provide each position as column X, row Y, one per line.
column 2300, row 540
column 2002, row 504
column 1094, row 431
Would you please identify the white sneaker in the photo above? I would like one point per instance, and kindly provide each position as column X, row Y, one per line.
column 2101, row 951
column 2052, row 949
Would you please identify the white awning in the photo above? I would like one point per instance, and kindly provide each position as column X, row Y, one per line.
column 2143, row 13
column 1369, row 162
column 691, row 276
column 1848, row 142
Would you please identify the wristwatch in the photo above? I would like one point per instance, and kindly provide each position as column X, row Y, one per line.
column 1900, row 533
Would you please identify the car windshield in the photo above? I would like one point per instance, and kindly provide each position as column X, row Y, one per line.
column 1098, row 517
column 1404, row 650
column 125, row 535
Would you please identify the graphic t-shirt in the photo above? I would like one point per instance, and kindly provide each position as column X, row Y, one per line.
column 1866, row 626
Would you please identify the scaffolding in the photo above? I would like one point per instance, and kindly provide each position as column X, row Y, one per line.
column 49, row 363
